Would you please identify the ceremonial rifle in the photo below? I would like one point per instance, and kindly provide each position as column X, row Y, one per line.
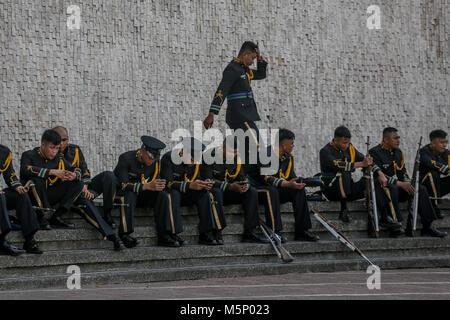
column 371, row 200
column 413, row 202
column 275, row 240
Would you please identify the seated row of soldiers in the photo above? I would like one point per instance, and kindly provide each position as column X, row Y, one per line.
column 56, row 175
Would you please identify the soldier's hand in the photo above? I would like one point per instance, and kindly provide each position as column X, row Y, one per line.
column 58, row 173
column 157, row 185
column 244, row 187
column 88, row 195
column 69, row 175
column 368, row 161
column 236, row 187
column 407, row 187
column 258, row 53
column 293, row 184
column 196, row 185
column 209, row 121
column 382, row 180
column 208, row 184
column 21, row 190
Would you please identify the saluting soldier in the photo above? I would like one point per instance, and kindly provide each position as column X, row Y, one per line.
column 55, row 179
column 189, row 184
column 286, row 187
column 15, row 197
column 235, row 86
column 338, row 160
column 141, row 185
column 230, row 178
column 104, row 181
column 435, row 167
column 393, row 177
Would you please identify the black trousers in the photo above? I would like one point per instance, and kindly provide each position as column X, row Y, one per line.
column 64, row 193
column 249, row 201
column 397, row 195
column 167, row 220
column 436, row 185
column 343, row 188
column 106, row 183
column 89, row 212
column 252, row 144
column 270, row 198
column 11, row 200
column 209, row 207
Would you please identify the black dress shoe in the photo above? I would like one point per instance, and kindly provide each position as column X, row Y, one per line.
column 167, row 241
column 129, row 242
column 208, row 239
column 253, row 238
column 180, row 240
column 32, row 247
column 306, row 236
column 390, row 224
column 432, row 232
column 118, row 244
column 219, row 237
column 59, row 223
column 8, row 249
column 344, row 216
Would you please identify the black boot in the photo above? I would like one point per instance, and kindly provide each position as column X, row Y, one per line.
column 306, row 236
column 252, row 237
column 8, row 249
column 432, row 232
column 128, row 241
column 180, row 240
column 59, row 223
column 31, row 246
column 208, row 239
column 118, row 244
column 166, row 240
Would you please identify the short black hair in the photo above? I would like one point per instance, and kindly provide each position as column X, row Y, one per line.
column 438, row 134
column 285, row 134
column 248, row 46
column 388, row 131
column 51, row 136
column 342, row 132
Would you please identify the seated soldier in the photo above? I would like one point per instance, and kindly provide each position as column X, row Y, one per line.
column 15, row 197
column 188, row 186
column 139, row 175
column 284, row 188
column 84, row 205
column 104, row 182
column 55, row 180
column 338, row 160
column 393, row 177
column 229, row 176
column 434, row 167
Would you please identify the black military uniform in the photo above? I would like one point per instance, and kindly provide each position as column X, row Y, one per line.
column 337, row 167
column 49, row 190
column 104, row 182
column 10, row 199
column 209, row 204
column 392, row 163
column 432, row 167
column 241, row 111
column 224, row 174
column 133, row 175
column 277, row 194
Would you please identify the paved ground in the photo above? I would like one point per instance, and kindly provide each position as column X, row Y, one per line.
column 395, row 284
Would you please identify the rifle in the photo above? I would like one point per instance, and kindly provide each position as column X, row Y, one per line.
column 371, row 200
column 339, row 235
column 275, row 240
column 413, row 202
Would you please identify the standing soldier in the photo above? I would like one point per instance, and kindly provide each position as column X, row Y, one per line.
column 394, row 179
column 235, row 86
column 434, row 167
column 55, row 180
column 104, row 181
column 15, row 197
column 189, row 185
column 141, row 185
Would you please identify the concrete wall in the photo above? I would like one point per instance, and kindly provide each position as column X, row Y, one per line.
column 149, row 67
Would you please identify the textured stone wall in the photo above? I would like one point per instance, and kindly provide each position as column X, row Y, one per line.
column 148, row 67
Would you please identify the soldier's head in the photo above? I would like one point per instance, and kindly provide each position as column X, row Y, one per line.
column 150, row 150
column 247, row 54
column 342, row 138
column 286, row 141
column 64, row 138
column 391, row 138
column 50, row 142
column 438, row 141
